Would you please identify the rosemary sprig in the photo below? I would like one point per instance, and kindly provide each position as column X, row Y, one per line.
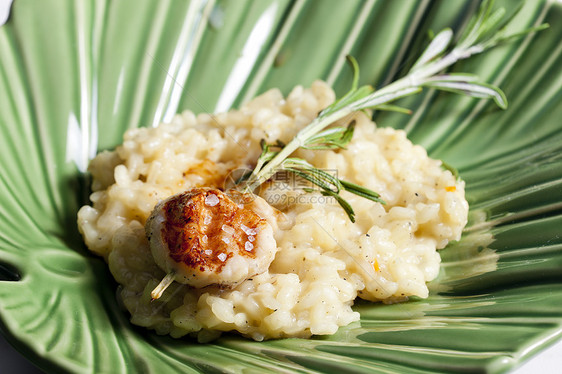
column 486, row 30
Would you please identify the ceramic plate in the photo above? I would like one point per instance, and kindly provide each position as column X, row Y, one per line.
column 74, row 75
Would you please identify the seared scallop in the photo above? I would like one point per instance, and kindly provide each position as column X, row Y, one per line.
column 204, row 237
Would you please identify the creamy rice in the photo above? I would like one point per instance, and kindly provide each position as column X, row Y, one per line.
column 323, row 261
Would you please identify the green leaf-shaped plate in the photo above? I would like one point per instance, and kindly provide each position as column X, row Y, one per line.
column 74, row 75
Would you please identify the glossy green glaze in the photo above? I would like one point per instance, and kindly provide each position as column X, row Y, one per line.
column 75, row 75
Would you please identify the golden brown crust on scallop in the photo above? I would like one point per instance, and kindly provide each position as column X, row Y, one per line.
column 204, row 228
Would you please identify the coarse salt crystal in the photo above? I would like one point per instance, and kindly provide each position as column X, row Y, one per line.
column 204, row 238
column 211, row 200
column 248, row 246
column 248, row 230
column 207, row 219
column 228, row 229
column 208, row 252
column 226, row 240
column 251, row 238
column 222, row 256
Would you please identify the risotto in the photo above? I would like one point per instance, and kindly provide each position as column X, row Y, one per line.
column 322, row 261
